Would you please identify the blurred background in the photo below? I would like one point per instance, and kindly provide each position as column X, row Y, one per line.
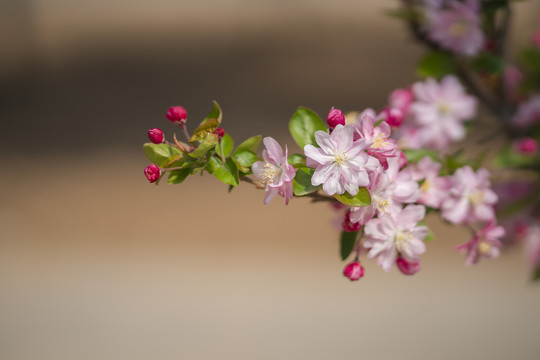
column 95, row 263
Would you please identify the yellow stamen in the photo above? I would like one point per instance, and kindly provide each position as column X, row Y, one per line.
column 483, row 247
column 458, row 29
column 402, row 240
column 271, row 172
column 443, row 108
column 477, row 197
column 426, row 185
column 340, row 158
column 379, row 142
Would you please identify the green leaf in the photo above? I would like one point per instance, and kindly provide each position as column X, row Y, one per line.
column 360, row 199
column 430, row 235
column 252, row 144
column 206, row 128
column 208, row 144
column 303, row 125
column 297, row 160
column 245, row 158
column 226, row 144
column 347, row 242
column 227, row 173
column 488, row 62
column 214, row 114
column 415, row 155
column 161, row 154
column 436, row 64
column 508, row 157
column 178, row 176
column 302, row 182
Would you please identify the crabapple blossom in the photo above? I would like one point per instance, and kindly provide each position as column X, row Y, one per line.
column 380, row 189
column 456, row 27
column 526, row 145
column 401, row 99
column 406, row 189
column 349, row 226
column 382, row 146
column 470, row 197
column 335, row 117
column 156, row 136
column 528, row 112
column 275, row 172
column 434, row 189
column 177, row 114
column 392, row 116
column 399, row 235
column 485, row 243
column 220, row 132
column 153, row 173
column 353, row 271
column 340, row 163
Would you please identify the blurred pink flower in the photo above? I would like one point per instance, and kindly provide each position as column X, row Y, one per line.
column 434, row 189
column 456, row 27
column 275, row 172
column 341, row 164
column 526, row 145
column 528, row 112
column 485, row 243
column 401, row 99
column 470, row 198
column 398, row 235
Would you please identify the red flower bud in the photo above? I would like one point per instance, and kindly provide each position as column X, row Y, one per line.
column 156, row 136
column 353, row 271
column 177, row 115
column 349, row 226
column 393, row 116
column 335, row 117
column 219, row 132
column 407, row 268
column 526, row 145
column 153, row 173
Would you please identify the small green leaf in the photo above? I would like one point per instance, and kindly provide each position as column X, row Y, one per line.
column 436, row 64
column 214, row 114
column 226, row 144
column 415, row 155
column 245, row 158
column 208, row 144
column 297, row 160
column 302, row 182
column 178, row 176
column 206, row 128
column 347, row 242
column 360, row 199
column 227, row 173
column 161, row 154
column 488, row 62
column 303, row 125
column 252, row 144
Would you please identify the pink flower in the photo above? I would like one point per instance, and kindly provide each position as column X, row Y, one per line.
column 353, row 271
column 401, row 99
column 392, row 116
column 526, row 145
column 335, row 117
column 528, row 112
column 340, row 163
column 470, row 198
column 153, row 173
column 457, row 27
column 382, row 145
column 380, row 189
column 156, row 136
column 275, row 172
column 406, row 188
column 406, row 267
column 398, row 235
column 434, row 189
column 485, row 243
column 177, row 114
column 439, row 112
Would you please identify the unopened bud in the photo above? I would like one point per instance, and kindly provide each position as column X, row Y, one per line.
column 153, row 173
column 177, row 114
column 407, row 268
column 348, row 225
column 401, row 99
column 353, row 271
column 393, row 116
column 156, row 136
column 219, row 132
column 335, row 118
column 526, row 145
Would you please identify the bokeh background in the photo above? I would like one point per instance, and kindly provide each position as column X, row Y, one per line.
column 95, row 263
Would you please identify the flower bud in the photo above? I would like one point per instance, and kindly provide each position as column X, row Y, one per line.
column 349, row 226
column 153, row 173
column 393, row 116
column 335, row 118
column 407, row 268
column 401, row 99
column 526, row 146
column 353, row 271
column 156, row 136
column 177, row 114
column 219, row 132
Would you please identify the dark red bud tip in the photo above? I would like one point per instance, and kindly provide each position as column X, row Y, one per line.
column 353, row 271
column 153, row 173
column 156, row 136
column 348, row 225
column 407, row 268
column 177, row 114
column 335, row 118
column 526, row 146
column 219, row 132
column 393, row 116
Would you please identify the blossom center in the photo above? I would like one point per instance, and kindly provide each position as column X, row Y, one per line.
column 426, row 185
column 382, row 205
column 340, row 158
column 379, row 142
column 476, row 198
column 443, row 108
column 458, row 29
column 402, row 240
column 271, row 172
column 483, row 247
